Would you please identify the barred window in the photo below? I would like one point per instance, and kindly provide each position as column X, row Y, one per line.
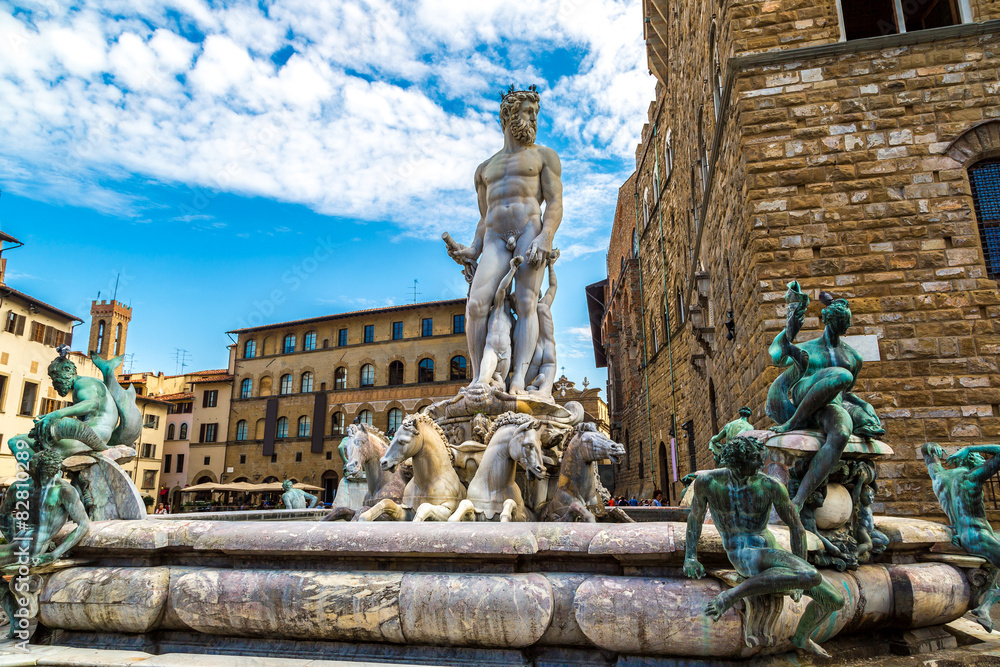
column 985, row 180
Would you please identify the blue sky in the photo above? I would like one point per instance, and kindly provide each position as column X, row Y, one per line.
column 204, row 152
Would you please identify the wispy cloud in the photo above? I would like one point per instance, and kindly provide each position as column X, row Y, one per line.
column 365, row 109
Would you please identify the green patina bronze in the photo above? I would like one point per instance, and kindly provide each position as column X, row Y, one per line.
column 739, row 425
column 34, row 510
column 815, row 390
column 101, row 414
column 296, row 499
column 959, row 490
column 740, row 498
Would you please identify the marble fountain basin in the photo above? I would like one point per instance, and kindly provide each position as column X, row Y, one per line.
column 470, row 593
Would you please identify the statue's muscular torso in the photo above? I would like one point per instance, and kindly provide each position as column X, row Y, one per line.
column 740, row 510
column 514, row 190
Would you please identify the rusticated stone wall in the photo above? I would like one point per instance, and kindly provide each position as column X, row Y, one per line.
column 834, row 166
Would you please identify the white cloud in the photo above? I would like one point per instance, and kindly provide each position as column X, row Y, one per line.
column 381, row 112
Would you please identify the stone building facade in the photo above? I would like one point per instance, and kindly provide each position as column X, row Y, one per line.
column 298, row 385
column 30, row 333
column 789, row 141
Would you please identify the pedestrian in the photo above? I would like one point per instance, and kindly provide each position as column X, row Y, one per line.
column 657, row 498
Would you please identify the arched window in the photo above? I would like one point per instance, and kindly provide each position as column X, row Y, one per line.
column 365, row 417
column 664, row 470
column 286, row 384
column 171, row 432
column 668, row 154
column 680, row 306
column 645, row 205
column 289, row 344
column 246, row 388
column 426, row 371
column 395, row 419
column 309, row 343
column 702, row 151
column 396, row 372
column 715, row 75
column 635, row 243
column 368, row 375
column 118, row 339
column 340, row 378
column 307, row 382
column 184, row 431
column 241, row 429
column 250, row 349
column 337, row 424
column 459, row 368
column 258, row 430
column 305, row 426
column 100, row 337
column 282, row 428
column 713, row 404
column 985, row 180
column 265, row 386
column 653, row 342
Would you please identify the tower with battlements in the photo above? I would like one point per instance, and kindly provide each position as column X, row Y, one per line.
column 108, row 328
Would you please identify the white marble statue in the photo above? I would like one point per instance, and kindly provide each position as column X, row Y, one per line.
column 495, row 363
column 543, row 363
column 512, row 186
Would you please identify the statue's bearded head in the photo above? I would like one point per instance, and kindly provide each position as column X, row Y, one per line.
column 63, row 375
column 743, row 455
column 287, row 485
column 46, row 464
column 519, row 113
column 837, row 316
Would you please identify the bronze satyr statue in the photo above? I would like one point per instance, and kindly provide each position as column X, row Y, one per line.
column 815, row 391
column 959, row 490
column 296, row 499
column 740, row 498
column 739, row 425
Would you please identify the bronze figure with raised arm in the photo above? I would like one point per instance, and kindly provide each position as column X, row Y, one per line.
column 740, row 498
column 512, row 186
column 959, row 490
column 815, row 391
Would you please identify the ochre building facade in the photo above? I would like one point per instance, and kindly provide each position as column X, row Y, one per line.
column 852, row 146
column 298, row 385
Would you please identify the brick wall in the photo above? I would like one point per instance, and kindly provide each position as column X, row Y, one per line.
column 835, row 170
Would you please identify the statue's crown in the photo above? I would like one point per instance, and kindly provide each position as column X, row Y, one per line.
column 512, row 90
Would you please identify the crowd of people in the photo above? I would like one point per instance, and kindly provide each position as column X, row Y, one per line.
column 622, row 501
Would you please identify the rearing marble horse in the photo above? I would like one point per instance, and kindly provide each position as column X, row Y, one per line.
column 364, row 446
column 514, row 439
column 577, row 489
column 435, row 490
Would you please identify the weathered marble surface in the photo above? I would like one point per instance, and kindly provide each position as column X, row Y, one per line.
column 104, row 598
column 477, row 586
column 343, row 606
column 647, row 616
column 501, row 611
column 115, row 496
column 364, row 538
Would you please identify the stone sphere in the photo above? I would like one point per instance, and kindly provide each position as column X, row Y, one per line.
column 836, row 510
